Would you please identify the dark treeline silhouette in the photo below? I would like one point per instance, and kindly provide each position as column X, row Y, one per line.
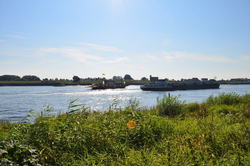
column 31, row 78
column 128, row 77
column 9, row 78
column 17, row 78
column 144, row 79
column 76, row 80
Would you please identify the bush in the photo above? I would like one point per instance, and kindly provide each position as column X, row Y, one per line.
column 192, row 107
column 246, row 99
column 246, row 111
column 224, row 99
column 169, row 106
column 148, row 132
column 225, row 109
column 14, row 153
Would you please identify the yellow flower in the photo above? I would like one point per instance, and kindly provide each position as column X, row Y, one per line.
column 131, row 124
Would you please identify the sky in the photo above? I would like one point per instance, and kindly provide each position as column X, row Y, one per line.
column 167, row 38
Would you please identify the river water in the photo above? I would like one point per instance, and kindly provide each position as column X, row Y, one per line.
column 17, row 101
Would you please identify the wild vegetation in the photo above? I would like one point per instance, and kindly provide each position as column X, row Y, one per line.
column 215, row 132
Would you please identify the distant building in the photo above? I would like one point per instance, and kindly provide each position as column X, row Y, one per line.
column 153, row 79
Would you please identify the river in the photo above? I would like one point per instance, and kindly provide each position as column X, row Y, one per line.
column 17, row 101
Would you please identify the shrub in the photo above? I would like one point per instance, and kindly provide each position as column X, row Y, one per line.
column 169, row 106
column 202, row 112
column 225, row 109
column 246, row 111
column 148, row 132
column 14, row 153
column 192, row 107
column 226, row 99
column 246, row 99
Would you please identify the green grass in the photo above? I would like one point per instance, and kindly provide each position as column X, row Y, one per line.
column 215, row 132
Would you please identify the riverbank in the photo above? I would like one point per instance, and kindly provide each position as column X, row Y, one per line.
column 59, row 83
column 72, row 83
column 43, row 83
column 215, row 132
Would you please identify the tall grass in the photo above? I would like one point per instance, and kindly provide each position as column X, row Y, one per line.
column 226, row 99
column 169, row 106
column 172, row 133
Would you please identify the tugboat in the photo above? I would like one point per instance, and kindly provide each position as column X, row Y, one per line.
column 188, row 84
column 109, row 84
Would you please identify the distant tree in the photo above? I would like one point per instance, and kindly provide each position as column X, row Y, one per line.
column 128, row 77
column 144, row 79
column 76, row 79
column 117, row 78
column 9, row 78
column 30, row 78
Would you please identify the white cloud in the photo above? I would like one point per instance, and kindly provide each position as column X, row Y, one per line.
column 150, row 56
column 101, row 47
column 79, row 54
column 1, row 41
column 116, row 60
column 71, row 52
column 246, row 58
column 177, row 55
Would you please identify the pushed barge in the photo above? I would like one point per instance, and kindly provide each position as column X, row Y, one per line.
column 109, row 84
column 189, row 84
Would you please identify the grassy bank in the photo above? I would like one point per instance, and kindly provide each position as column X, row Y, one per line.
column 44, row 83
column 215, row 132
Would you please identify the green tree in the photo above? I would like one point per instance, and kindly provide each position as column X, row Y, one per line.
column 76, row 79
column 30, row 78
column 128, row 77
column 144, row 79
column 9, row 78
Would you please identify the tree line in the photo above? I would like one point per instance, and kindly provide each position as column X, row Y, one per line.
column 17, row 78
column 127, row 77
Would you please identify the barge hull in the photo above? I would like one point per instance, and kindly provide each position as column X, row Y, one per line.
column 183, row 87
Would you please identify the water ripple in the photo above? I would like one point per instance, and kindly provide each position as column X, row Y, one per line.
column 15, row 102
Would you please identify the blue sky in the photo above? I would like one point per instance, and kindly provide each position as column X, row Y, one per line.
column 166, row 38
